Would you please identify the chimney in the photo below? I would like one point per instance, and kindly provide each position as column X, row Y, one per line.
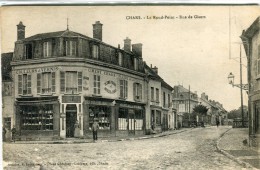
column 137, row 49
column 20, row 31
column 97, row 30
column 203, row 95
column 207, row 97
column 127, row 44
column 155, row 69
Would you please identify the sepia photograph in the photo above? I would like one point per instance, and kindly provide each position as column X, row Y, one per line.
column 130, row 87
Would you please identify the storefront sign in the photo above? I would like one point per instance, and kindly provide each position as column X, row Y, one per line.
column 38, row 70
column 130, row 106
column 71, row 99
column 110, row 86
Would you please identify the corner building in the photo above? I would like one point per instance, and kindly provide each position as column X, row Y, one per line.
column 63, row 80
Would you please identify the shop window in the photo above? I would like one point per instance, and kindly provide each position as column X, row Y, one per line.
column 24, row 84
column 122, row 119
column 96, row 84
column 152, row 94
column 37, row 117
column 70, row 82
column 70, row 48
column 158, row 118
column 120, row 59
column 137, row 91
column 46, row 83
column 95, row 51
column 157, row 95
column 139, row 119
column 123, row 89
column 28, row 51
column 47, row 49
column 102, row 114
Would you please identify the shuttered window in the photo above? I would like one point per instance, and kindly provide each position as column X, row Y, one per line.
column 24, row 84
column 123, row 88
column 62, row 81
column 70, row 48
column 96, row 84
column 70, row 82
column 79, row 81
column 95, row 51
column 47, row 49
column 53, row 82
column 137, row 91
column 20, row 84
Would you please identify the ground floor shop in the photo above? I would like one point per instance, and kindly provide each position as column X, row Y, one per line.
column 254, row 122
column 72, row 116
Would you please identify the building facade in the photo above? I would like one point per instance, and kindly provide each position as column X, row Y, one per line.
column 251, row 40
column 65, row 79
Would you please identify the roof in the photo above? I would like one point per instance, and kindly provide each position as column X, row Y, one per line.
column 254, row 27
column 6, row 59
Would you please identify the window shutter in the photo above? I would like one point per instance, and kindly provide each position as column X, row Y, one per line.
column 79, row 81
column 135, row 96
column 53, row 82
column 29, row 84
column 20, row 85
column 98, row 84
column 39, row 83
column 49, row 48
column 140, row 92
column 62, row 81
column 126, row 89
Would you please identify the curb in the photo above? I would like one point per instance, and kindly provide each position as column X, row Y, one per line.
column 242, row 163
column 105, row 140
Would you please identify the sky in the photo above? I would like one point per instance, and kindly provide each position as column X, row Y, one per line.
column 195, row 52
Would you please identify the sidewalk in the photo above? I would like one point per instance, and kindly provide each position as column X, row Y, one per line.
column 231, row 144
column 108, row 139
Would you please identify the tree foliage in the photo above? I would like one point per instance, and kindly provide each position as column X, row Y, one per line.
column 200, row 109
column 236, row 113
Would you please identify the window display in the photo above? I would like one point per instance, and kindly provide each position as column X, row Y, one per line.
column 37, row 118
column 102, row 114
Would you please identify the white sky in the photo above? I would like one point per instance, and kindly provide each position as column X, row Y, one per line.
column 191, row 52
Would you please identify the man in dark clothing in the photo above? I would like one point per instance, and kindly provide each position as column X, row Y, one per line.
column 3, row 133
column 13, row 133
column 95, row 128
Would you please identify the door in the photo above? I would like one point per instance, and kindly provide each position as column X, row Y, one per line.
column 71, row 118
column 131, row 122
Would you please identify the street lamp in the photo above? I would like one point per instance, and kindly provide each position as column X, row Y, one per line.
column 231, row 78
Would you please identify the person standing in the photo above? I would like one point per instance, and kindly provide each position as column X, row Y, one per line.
column 3, row 134
column 95, row 128
column 13, row 133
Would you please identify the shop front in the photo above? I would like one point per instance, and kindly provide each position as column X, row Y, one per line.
column 156, row 119
column 37, row 118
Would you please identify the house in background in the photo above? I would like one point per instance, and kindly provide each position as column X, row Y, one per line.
column 251, row 41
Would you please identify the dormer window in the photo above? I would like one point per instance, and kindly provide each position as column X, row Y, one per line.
column 135, row 63
column 95, row 51
column 120, row 58
column 47, row 49
column 28, row 51
column 70, row 48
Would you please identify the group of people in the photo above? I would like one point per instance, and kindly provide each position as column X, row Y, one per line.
column 13, row 132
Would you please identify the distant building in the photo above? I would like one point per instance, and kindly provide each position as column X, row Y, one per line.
column 184, row 101
column 250, row 38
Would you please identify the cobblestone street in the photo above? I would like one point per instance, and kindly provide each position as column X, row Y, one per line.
column 193, row 149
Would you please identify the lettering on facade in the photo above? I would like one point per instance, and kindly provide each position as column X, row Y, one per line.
column 130, row 106
column 37, row 70
column 110, row 86
column 71, row 99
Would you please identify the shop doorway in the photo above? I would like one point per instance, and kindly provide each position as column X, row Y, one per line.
column 71, row 118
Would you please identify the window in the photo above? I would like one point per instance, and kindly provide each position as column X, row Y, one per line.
column 157, row 95
column 46, row 83
column 96, row 84
column 47, row 49
column 152, row 94
column 102, row 114
column 139, row 119
column 158, row 117
column 95, row 51
column 24, row 84
column 122, row 119
column 123, row 88
column 169, row 100
column 135, row 64
column 70, row 48
column 137, row 91
column 70, row 81
column 164, row 99
column 37, row 118
column 120, row 59
column 28, row 51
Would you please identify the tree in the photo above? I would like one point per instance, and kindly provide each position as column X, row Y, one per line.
column 236, row 113
column 200, row 110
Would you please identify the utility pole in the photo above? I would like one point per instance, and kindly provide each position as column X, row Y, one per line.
column 189, row 105
column 241, row 92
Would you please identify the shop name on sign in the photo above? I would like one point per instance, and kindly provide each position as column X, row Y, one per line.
column 108, row 73
column 37, row 70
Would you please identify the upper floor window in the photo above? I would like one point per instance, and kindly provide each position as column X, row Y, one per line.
column 169, row 100
column 123, row 88
column 120, row 59
column 28, row 51
column 137, row 91
column 157, row 95
column 135, row 63
column 164, row 99
column 24, row 84
column 152, row 94
column 96, row 84
column 70, row 48
column 95, row 51
column 70, row 81
column 47, row 49
column 46, row 83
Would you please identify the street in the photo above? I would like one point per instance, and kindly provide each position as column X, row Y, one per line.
column 193, row 149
